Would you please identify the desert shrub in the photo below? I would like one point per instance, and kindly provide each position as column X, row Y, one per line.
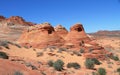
column 77, row 53
column 39, row 54
column 62, row 49
column 4, row 44
column 3, row 55
column 17, row 45
column 58, row 65
column 89, row 64
column 31, row 65
column 74, row 65
column 114, row 58
column 82, row 50
column 50, row 63
column 69, row 65
column 18, row 73
column 26, row 47
column 101, row 71
column 118, row 70
column 96, row 61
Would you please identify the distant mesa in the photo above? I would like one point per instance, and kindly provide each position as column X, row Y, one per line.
column 19, row 20
column 11, row 28
column 15, row 20
column 14, row 23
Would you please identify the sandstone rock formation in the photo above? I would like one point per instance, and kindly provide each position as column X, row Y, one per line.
column 40, row 36
column 10, row 68
column 61, row 31
column 11, row 28
column 18, row 20
column 44, row 35
column 76, row 36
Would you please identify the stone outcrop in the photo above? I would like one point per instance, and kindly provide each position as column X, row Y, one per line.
column 11, row 28
column 40, row 36
column 19, row 20
column 44, row 35
column 61, row 31
column 76, row 37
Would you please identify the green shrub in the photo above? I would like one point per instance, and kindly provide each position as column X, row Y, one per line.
column 3, row 55
column 114, row 58
column 89, row 64
column 18, row 73
column 101, row 71
column 69, row 65
column 33, row 67
column 74, row 65
column 50, row 63
column 96, row 61
column 118, row 70
column 58, row 65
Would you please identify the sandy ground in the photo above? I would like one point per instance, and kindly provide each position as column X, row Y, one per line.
column 31, row 54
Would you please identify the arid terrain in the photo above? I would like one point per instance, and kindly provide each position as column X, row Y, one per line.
column 41, row 49
column 108, row 39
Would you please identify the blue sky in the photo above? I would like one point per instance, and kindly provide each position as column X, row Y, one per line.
column 93, row 14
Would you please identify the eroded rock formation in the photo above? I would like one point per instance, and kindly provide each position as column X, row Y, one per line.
column 76, row 37
column 61, row 31
column 18, row 20
column 40, row 36
column 44, row 35
column 11, row 28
